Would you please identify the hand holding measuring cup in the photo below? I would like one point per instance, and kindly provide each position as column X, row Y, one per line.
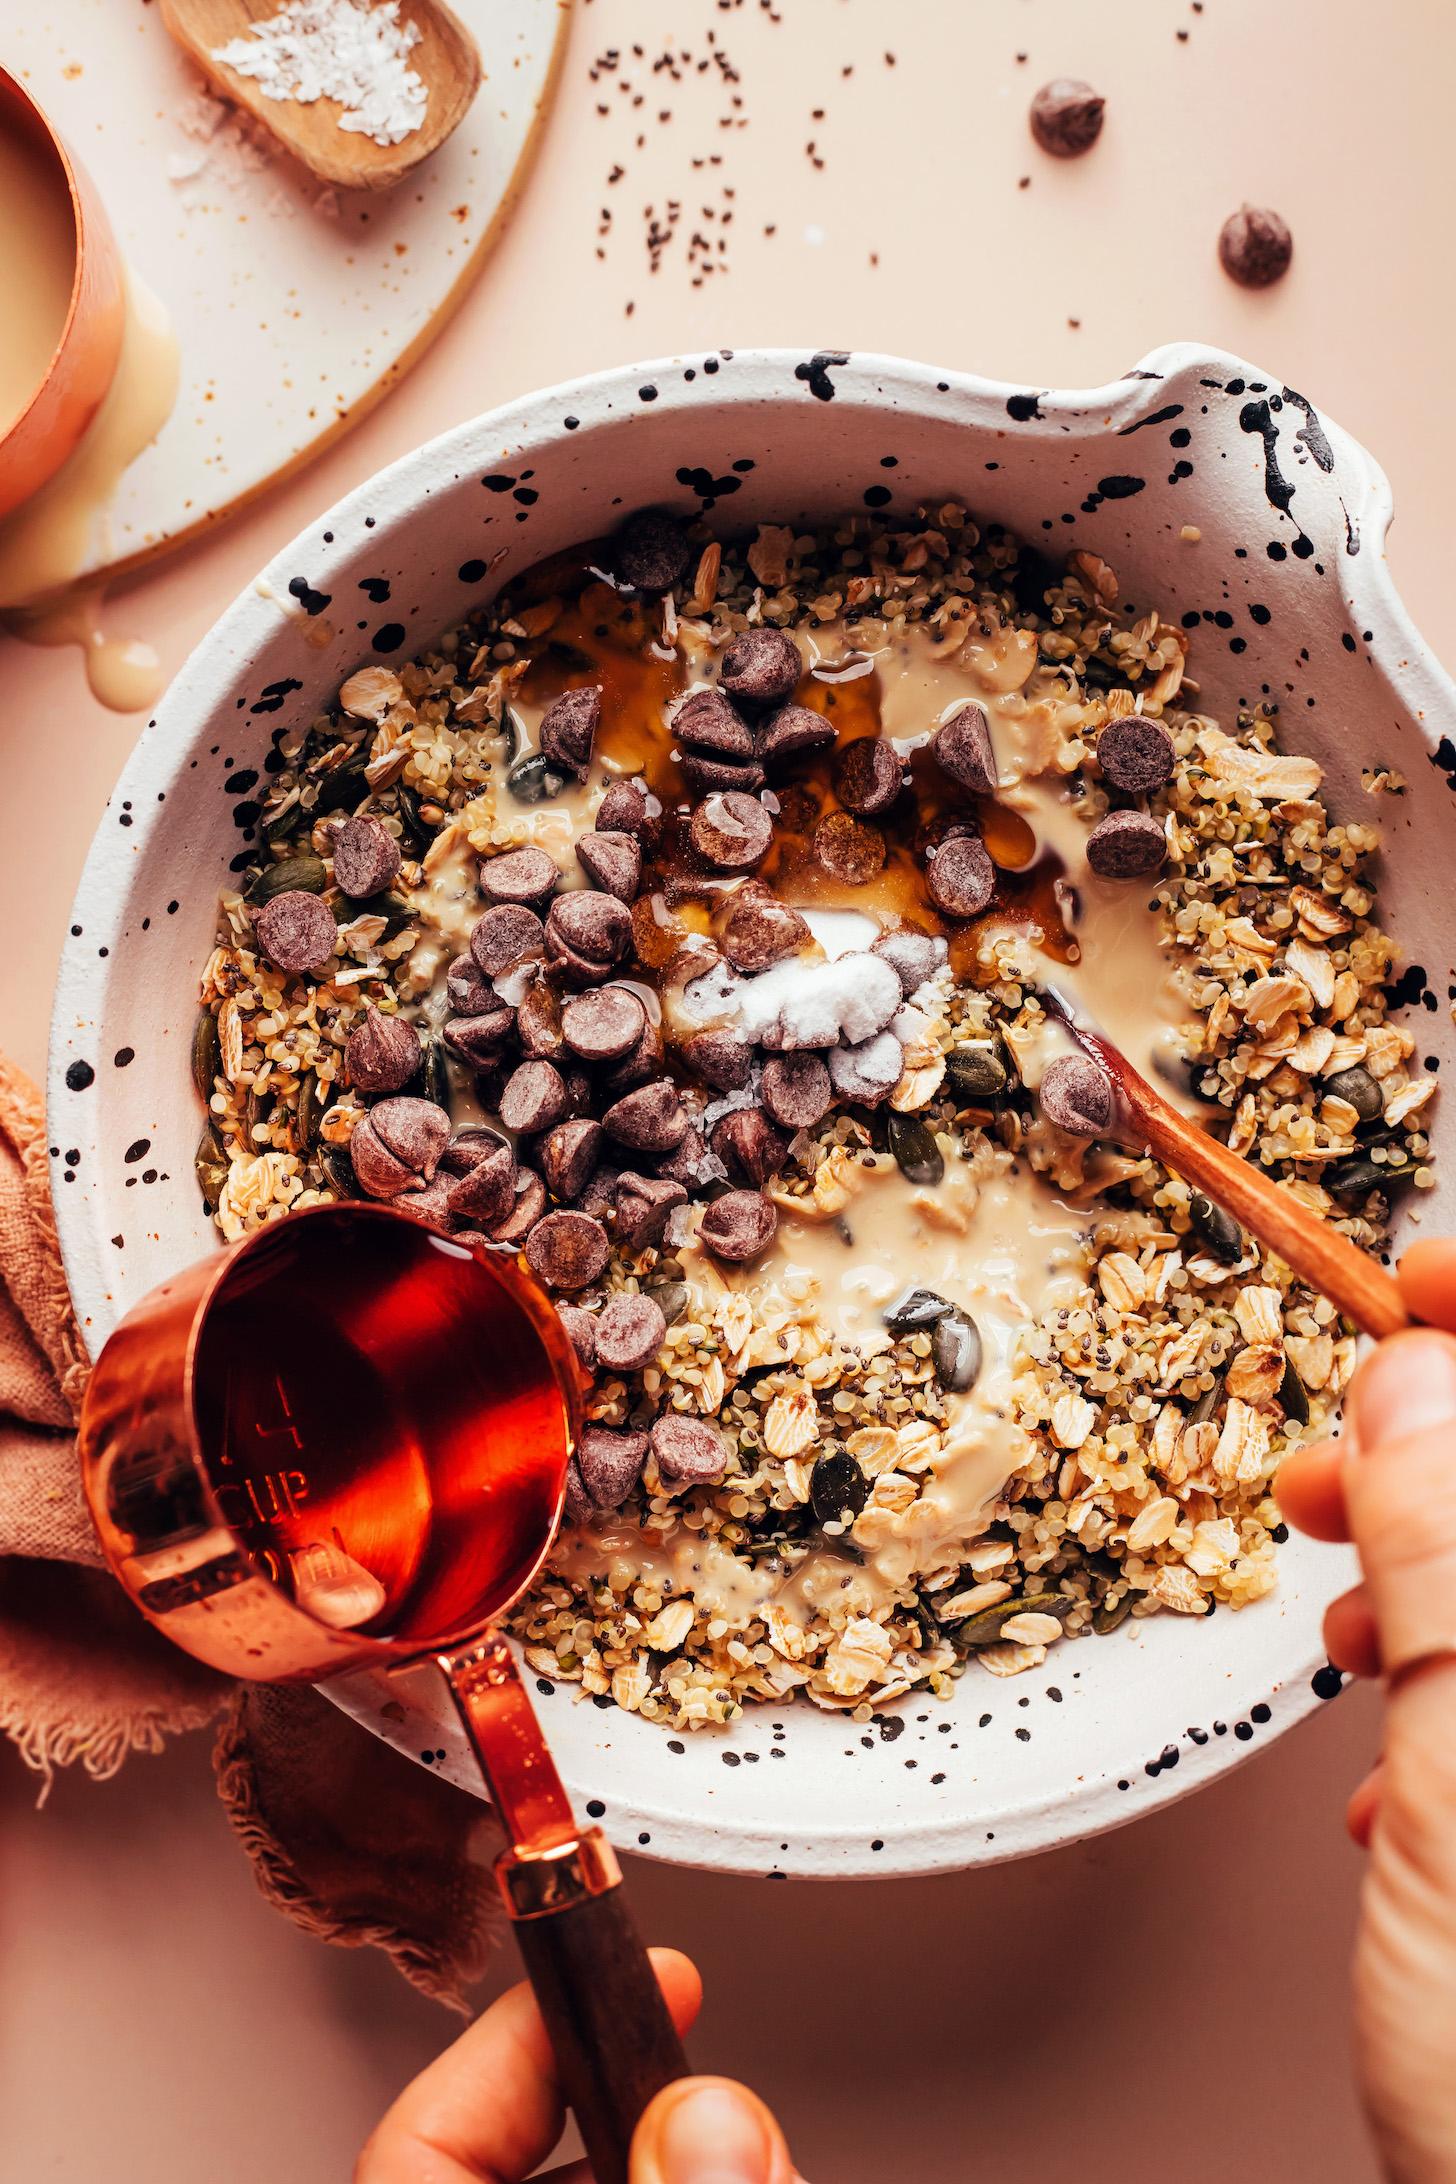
column 343, row 1444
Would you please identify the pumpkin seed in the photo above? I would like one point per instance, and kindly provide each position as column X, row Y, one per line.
column 394, row 910
column 259, row 1108
column 206, row 1053
column 1208, row 1403
column 917, row 1155
column 210, row 1165
column 338, row 1171
column 305, row 873
column 512, row 734
column 837, row 1487
column 283, row 818
column 671, row 1299
column 1291, row 1398
column 986, row 1628
column 977, row 1072
column 307, row 1117
column 955, row 1351
column 1352, row 1181
column 1111, row 1613
column 417, row 835
column 533, row 781
column 346, row 785
column 913, row 1309
column 1359, row 1089
column 1217, row 1231
column 435, row 1073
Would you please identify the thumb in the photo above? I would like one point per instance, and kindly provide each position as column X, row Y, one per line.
column 1400, row 1489
column 709, row 2131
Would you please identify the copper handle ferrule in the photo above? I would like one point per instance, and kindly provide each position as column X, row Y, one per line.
column 535, row 1883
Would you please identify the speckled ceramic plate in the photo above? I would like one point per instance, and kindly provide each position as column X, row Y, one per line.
column 1287, row 589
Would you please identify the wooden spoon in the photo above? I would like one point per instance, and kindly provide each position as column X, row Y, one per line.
column 445, row 60
column 1144, row 1121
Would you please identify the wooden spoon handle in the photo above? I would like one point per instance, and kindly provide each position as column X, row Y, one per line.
column 1364, row 1291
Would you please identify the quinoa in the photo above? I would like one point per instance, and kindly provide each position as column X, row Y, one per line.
column 1154, row 1410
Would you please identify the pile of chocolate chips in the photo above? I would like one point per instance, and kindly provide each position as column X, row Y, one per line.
column 599, row 1140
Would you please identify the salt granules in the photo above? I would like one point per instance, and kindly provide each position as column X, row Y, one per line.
column 337, row 49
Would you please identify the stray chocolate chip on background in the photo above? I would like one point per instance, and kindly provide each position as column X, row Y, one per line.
column 1255, row 247
column 1066, row 117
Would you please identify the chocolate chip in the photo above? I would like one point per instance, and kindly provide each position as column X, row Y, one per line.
column 691, row 1163
column 759, row 930
column 709, row 776
column 705, row 721
column 479, row 1039
column 612, row 862
column 603, row 1024
column 761, row 666
column 296, row 931
column 567, row 1250
column 1255, row 247
column 587, row 933
column 912, row 956
column 650, row 551
column 397, row 1143
column 569, row 1156
column 470, row 1145
column 468, row 992
column 1076, row 1095
column 581, row 1329
column 366, row 857
column 415, row 1131
column 848, row 848
column 630, row 1332
column 1127, row 845
column 429, row 1202
column 738, row 1226
column 623, row 810
column 721, row 1060
column 868, row 775
column 1136, row 754
column 729, row 830
column 868, row 1072
column 643, row 1205
column 533, row 1099
column 382, row 1053
column 650, row 1120
column 599, row 1196
column 529, row 1207
column 749, row 1145
column 796, row 1090
column 518, row 875
column 638, row 1065
column 578, row 1504
column 961, row 877
column 538, row 1024
column 375, row 1167
column 962, row 748
column 568, row 729
column 610, row 1463
column 488, row 1192
column 1066, row 117
column 689, row 1451
column 506, row 936
column 793, row 730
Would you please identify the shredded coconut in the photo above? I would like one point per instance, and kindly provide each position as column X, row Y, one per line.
column 337, row 49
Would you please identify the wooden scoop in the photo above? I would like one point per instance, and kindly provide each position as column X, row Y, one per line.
column 445, row 60
column 1144, row 1121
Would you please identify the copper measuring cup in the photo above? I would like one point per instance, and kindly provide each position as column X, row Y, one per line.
column 343, row 1444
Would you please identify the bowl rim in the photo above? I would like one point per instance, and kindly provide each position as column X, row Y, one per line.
column 1400, row 657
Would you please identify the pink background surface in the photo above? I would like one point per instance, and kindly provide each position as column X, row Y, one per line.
column 1170, row 2000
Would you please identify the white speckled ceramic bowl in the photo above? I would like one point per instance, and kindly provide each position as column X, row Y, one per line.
column 1286, row 591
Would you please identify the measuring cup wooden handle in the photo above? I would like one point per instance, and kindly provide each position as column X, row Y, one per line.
column 614, row 2041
